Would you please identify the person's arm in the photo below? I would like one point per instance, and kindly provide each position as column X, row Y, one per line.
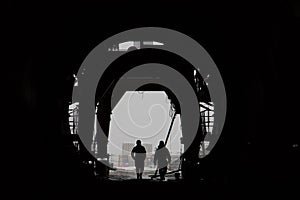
column 132, row 154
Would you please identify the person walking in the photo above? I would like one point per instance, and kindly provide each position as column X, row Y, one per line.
column 138, row 154
column 162, row 159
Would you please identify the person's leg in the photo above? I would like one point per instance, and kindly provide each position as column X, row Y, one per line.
column 141, row 170
column 164, row 171
column 161, row 174
column 137, row 172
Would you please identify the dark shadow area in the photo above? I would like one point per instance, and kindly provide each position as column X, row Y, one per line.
column 255, row 46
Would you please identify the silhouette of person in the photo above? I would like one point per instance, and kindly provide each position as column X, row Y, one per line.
column 162, row 157
column 138, row 154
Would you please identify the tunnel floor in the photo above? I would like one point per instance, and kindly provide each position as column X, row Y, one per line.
column 129, row 174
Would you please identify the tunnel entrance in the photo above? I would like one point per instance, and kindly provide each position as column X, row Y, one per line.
column 123, row 74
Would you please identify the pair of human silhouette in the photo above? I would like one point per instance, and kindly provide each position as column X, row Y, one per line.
column 162, row 159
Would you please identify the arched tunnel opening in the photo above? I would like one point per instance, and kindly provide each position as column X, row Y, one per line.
column 104, row 105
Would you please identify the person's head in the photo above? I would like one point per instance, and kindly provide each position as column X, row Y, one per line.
column 138, row 142
column 161, row 144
